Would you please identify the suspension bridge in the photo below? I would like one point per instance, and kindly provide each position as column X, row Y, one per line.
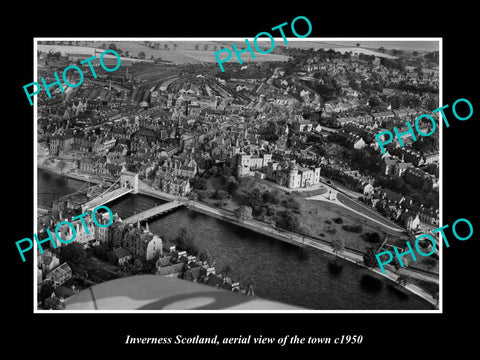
column 128, row 183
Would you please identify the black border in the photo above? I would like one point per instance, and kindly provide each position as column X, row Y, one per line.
column 384, row 334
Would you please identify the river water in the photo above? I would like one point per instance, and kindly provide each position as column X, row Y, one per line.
column 279, row 271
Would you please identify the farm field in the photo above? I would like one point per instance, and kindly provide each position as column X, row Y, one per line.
column 184, row 53
column 63, row 49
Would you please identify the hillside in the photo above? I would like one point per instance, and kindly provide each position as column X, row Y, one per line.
column 177, row 52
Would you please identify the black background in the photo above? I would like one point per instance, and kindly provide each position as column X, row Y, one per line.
column 104, row 334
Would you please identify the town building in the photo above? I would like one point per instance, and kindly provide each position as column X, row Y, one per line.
column 60, row 274
column 293, row 176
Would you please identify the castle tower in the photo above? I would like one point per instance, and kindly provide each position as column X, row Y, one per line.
column 292, row 175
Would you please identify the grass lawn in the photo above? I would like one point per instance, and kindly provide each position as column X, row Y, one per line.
column 317, row 218
column 320, row 219
column 309, row 193
column 329, row 221
column 363, row 209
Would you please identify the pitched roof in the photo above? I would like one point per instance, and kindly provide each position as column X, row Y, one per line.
column 404, row 165
column 60, row 270
column 390, row 162
column 214, row 280
column 170, row 269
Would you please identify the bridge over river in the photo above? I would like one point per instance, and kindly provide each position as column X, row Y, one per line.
column 155, row 211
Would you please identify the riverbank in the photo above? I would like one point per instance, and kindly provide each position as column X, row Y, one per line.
column 297, row 240
column 292, row 238
column 306, row 277
column 71, row 175
column 302, row 241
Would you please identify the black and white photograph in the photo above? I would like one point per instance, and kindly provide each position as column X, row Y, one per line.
column 236, row 180
column 252, row 186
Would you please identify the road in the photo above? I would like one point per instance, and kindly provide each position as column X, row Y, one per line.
column 337, row 202
column 387, row 224
column 390, row 227
column 303, row 240
column 298, row 240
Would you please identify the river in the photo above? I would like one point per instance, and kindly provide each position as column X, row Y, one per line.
column 279, row 271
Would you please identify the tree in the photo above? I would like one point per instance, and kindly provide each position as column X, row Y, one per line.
column 186, row 241
column 141, row 55
column 226, row 171
column 213, row 170
column 436, row 297
column 419, row 71
column 369, row 258
column 397, row 184
column 227, row 269
column 403, row 279
column 232, row 187
column 254, row 200
column 175, row 46
column 200, row 183
column 292, row 204
column 193, row 195
column 205, row 47
column 220, row 194
column 357, row 44
column 372, row 237
column 353, row 84
column 100, row 252
column 272, row 222
column 73, row 252
column 382, row 49
column 204, row 256
column 112, row 46
column 338, row 246
column 196, row 46
column 288, row 220
column 374, row 100
column 165, row 46
column 243, row 213
column 267, row 196
column 45, row 291
column 396, row 263
column 430, row 102
column 61, row 165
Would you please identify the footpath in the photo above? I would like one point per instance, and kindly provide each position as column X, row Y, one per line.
column 300, row 240
column 286, row 236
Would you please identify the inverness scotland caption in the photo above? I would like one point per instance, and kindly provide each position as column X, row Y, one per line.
column 257, row 184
